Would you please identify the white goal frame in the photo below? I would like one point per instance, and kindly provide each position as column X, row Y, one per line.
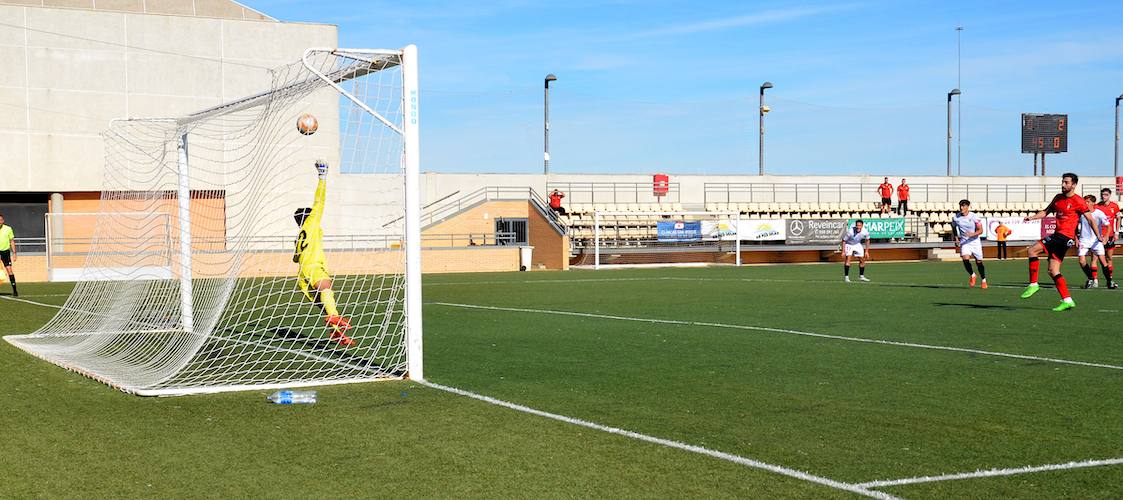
column 410, row 165
column 597, row 246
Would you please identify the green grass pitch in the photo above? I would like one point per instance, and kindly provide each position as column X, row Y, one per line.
column 729, row 371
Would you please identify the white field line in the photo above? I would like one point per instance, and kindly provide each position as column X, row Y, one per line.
column 993, row 473
column 785, row 331
column 31, row 302
column 756, row 464
column 688, row 278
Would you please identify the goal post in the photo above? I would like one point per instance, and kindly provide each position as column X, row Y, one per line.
column 219, row 255
column 681, row 238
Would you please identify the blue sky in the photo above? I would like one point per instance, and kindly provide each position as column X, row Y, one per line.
column 646, row 86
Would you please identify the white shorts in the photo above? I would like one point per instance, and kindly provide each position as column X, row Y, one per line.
column 856, row 250
column 1096, row 247
column 973, row 248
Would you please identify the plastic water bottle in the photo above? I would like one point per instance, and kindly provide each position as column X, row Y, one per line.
column 293, row 397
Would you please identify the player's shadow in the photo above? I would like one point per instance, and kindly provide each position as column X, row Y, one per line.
column 976, row 306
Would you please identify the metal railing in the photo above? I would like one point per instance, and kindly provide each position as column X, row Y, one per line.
column 614, row 192
column 491, row 193
column 745, row 192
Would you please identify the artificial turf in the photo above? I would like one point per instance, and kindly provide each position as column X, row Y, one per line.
column 743, row 383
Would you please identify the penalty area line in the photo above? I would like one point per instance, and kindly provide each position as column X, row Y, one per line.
column 993, row 473
column 756, row 464
column 786, row 331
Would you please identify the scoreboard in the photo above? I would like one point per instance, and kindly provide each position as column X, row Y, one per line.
column 1044, row 133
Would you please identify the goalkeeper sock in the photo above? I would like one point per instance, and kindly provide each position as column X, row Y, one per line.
column 327, row 298
column 982, row 271
column 12, row 279
column 967, row 266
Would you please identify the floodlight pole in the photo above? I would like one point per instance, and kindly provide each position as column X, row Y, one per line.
column 546, row 126
column 760, row 161
column 1117, row 99
column 953, row 92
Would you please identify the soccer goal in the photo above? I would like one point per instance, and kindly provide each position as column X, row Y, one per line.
column 621, row 239
column 193, row 280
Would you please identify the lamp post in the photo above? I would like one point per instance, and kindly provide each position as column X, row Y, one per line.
column 763, row 109
column 546, row 126
column 953, row 92
column 1117, row 99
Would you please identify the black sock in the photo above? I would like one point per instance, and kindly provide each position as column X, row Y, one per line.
column 1087, row 270
column 967, row 266
column 846, row 270
column 982, row 271
column 12, row 278
column 861, row 270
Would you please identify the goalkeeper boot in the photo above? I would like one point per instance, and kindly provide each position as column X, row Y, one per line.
column 338, row 336
column 1064, row 306
column 1030, row 290
column 335, row 321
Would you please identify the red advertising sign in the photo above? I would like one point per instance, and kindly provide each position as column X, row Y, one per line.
column 660, row 184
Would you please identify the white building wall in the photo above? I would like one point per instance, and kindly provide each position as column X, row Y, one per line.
column 66, row 72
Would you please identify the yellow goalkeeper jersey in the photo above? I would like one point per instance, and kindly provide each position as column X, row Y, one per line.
column 310, row 245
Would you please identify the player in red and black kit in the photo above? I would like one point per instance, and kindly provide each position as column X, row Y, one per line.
column 885, row 189
column 1111, row 210
column 1068, row 207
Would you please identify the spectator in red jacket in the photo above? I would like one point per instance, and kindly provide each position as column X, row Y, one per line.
column 886, row 192
column 903, row 198
column 555, row 202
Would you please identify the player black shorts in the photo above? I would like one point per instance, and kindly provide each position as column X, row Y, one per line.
column 1057, row 245
column 6, row 257
column 886, row 201
column 1110, row 243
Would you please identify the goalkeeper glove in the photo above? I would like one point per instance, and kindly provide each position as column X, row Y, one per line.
column 322, row 169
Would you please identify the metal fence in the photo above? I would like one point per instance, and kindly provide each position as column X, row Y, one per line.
column 614, row 192
column 745, row 192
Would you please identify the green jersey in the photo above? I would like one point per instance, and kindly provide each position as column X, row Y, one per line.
column 6, row 237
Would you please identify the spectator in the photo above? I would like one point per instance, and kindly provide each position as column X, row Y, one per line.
column 555, row 202
column 903, row 198
column 1000, row 234
column 886, row 191
column 8, row 252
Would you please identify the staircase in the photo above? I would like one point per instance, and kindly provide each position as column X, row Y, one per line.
column 943, row 254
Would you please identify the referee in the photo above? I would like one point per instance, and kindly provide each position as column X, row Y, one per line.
column 8, row 252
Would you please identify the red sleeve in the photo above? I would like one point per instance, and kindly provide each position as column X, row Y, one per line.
column 1052, row 205
column 1082, row 207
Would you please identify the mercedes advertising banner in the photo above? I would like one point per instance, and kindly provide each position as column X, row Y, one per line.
column 814, row 231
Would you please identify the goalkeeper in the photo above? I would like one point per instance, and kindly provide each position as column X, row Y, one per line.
column 313, row 278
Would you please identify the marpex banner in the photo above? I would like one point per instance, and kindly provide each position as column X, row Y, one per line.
column 814, row 231
column 881, row 229
column 1020, row 230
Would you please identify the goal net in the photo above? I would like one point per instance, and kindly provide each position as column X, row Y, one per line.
column 200, row 271
column 663, row 239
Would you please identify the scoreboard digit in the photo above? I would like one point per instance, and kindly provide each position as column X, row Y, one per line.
column 1045, row 134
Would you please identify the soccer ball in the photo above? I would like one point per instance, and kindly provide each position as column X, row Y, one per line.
column 307, row 124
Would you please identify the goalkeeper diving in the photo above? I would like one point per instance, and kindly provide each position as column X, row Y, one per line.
column 314, row 279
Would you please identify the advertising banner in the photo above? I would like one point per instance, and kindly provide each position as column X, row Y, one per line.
column 724, row 229
column 814, row 231
column 1019, row 229
column 762, row 230
column 882, row 228
column 678, row 231
column 1048, row 226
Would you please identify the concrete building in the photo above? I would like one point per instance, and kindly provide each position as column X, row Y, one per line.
column 68, row 67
